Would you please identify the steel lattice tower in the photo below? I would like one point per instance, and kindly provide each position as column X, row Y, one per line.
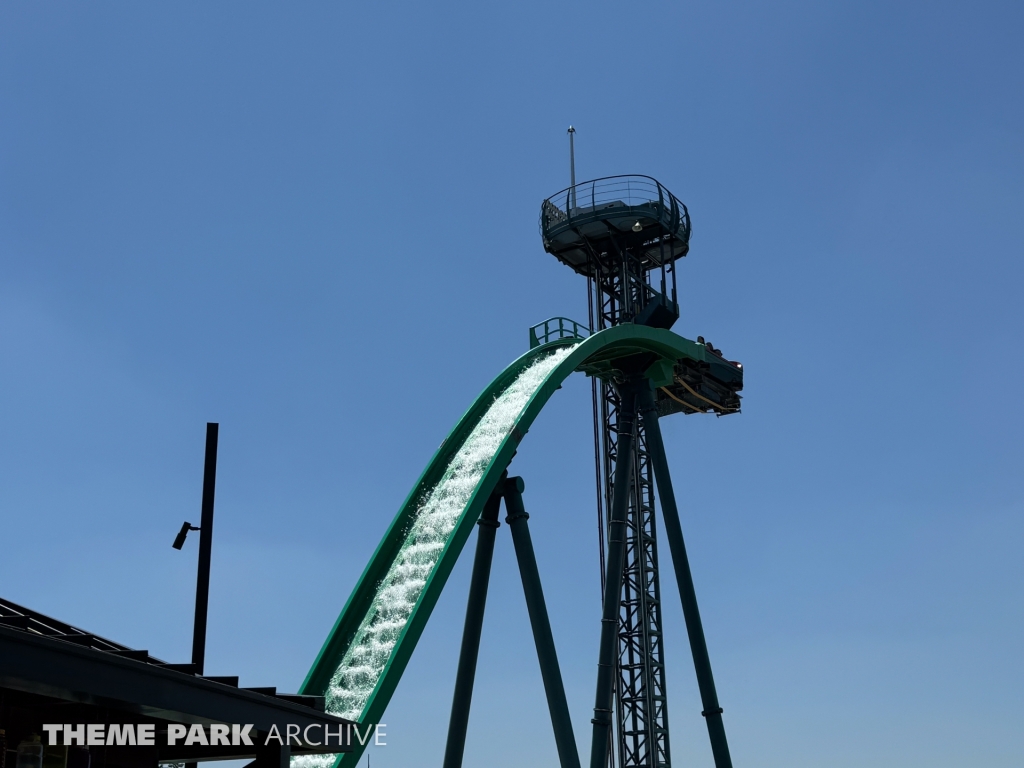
column 641, row 704
column 625, row 235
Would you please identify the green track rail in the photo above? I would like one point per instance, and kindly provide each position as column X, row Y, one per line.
column 599, row 355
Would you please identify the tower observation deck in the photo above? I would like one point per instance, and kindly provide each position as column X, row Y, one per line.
column 590, row 225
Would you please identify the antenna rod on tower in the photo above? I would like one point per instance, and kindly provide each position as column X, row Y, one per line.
column 572, row 170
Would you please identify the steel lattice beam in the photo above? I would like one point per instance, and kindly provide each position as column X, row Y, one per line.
column 641, row 704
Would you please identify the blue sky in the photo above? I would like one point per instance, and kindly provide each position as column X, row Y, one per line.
column 317, row 225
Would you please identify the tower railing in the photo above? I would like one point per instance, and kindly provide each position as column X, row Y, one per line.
column 556, row 328
column 613, row 195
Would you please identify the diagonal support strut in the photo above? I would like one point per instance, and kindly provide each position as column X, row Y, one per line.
column 565, row 741
column 464, row 678
column 698, row 646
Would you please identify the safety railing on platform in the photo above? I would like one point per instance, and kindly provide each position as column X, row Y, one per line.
column 591, row 197
column 556, row 328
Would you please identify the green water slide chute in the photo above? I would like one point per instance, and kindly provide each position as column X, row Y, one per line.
column 598, row 355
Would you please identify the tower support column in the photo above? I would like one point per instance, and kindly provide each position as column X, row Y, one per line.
column 673, row 529
column 565, row 740
column 466, row 675
column 613, row 578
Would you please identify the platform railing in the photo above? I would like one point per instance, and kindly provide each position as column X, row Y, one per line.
column 590, row 197
column 556, row 328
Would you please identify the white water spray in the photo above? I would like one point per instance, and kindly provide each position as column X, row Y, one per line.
column 433, row 523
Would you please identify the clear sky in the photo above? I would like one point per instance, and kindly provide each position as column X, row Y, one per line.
column 316, row 224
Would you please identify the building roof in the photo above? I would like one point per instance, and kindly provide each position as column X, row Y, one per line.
column 53, row 672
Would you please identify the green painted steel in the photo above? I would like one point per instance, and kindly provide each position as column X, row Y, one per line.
column 547, row 656
column 597, row 355
column 462, row 699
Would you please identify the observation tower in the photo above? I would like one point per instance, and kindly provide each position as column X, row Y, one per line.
column 625, row 235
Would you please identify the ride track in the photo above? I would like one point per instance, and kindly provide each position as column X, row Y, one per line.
column 603, row 355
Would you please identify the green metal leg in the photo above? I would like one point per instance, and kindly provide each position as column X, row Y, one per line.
column 568, row 756
column 613, row 579
column 673, row 529
column 466, row 674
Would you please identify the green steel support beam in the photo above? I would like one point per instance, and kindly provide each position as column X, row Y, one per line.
column 463, row 696
column 613, row 578
column 688, row 595
column 565, row 740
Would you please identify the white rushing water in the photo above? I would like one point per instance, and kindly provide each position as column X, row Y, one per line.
column 433, row 523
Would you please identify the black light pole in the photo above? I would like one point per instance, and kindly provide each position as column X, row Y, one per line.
column 205, row 549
